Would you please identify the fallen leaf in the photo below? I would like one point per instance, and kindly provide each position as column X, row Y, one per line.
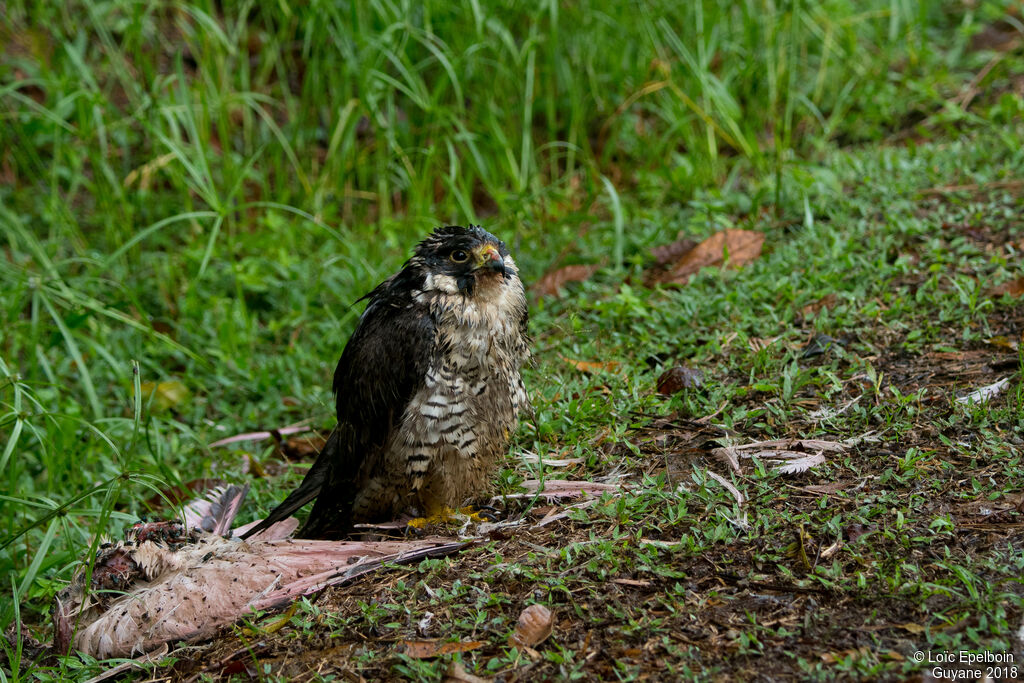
column 831, row 487
column 733, row 248
column 833, row 657
column 165, row 395
column 677, row 378
column 457, row 674
column 855, row 531
column 554, row 280
column 305, row 447
column 592, row 367
column 832, row 550
column 825, row 302
column 670, row 253
column 425, row 649
column 1014, row 288
column 238, row 666
column 534, row 626
column 999, row 36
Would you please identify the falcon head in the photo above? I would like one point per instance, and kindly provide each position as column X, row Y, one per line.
column 464, row 260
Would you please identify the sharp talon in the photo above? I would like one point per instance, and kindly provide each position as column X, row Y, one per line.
column 482, row 513
column 489, row 513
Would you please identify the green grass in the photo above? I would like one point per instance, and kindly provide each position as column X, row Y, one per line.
column 197, row 194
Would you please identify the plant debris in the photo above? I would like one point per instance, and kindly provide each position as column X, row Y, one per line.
column 535, row 625
column 678, row 378
column 553, row 281
column 731, row 248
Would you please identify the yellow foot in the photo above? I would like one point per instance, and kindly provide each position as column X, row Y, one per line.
column 444, row 516
column 449, row 516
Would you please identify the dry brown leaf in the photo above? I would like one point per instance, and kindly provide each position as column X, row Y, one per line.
column 305, row 447
column 827, row 301
column 425, row 649
column 670, row 253
column 832, row 550
column 855, row 531
column 553, row 280
column 677, row 378
column 833, row 657
column 592, row 367
column 457, row 674
column 1014, row 288
column 535, row 625
column 999, row 36
column 831, row 487
column 733, row 248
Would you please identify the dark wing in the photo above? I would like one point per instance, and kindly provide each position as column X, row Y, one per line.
column 381, row 369
column 382, row 366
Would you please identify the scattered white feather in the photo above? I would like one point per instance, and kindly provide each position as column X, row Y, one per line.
column 985, row 393
column 802, row 464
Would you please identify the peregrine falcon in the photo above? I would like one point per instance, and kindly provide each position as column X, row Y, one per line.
column 428, row 389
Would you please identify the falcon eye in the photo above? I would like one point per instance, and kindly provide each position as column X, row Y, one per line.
column 459, row 256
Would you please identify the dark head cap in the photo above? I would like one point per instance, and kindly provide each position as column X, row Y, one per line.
column 463, row 253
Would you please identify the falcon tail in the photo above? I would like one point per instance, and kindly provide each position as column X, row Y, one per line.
column 306, row 491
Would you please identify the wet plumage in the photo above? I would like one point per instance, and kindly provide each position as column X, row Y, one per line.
column 428, row 388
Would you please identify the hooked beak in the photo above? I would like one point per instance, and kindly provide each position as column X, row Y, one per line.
column 488, row 257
